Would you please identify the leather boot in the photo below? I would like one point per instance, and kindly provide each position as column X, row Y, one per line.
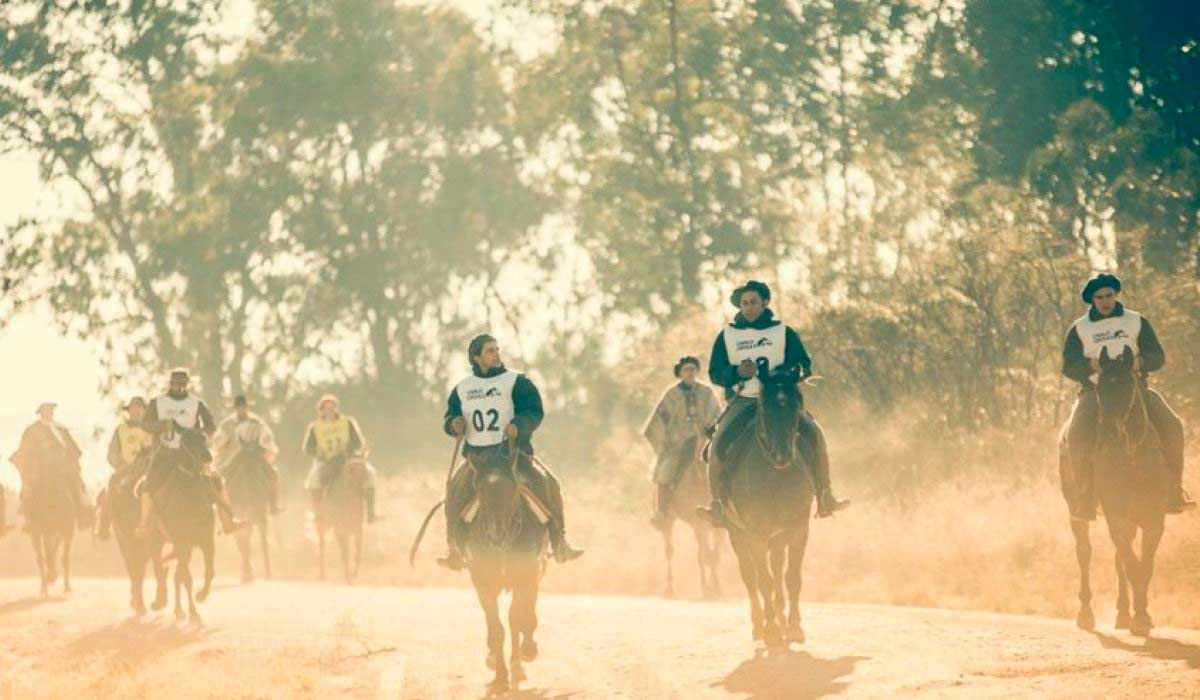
column 827, row 504
column 372, row 516
column 1179, row 501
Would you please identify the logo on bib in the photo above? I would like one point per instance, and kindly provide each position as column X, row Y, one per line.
column 475, row 394
column 1105, row 336
column 751, row 344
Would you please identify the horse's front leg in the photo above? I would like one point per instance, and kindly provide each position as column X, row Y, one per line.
column 1151, row 537
column 1081, row 530
column 154, row 553
column 266, row 548
column 749, row 572
column 320, row 553
column 772, row 632
column 795, row 581
column 66, row 561
column 668, row 531
column 36, row 541
column 489, row 594
column 522, row 618
column 208, row 550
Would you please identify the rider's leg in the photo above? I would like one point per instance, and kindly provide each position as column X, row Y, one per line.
column 816, row 455
column 459, row 493
column 219, row 496
column 1169, row 427
column 369, row 492
column 314, row 487
column 1081, row 445
column 83, row 505
column 545, row 485
column 147, row 504
column 717, row 478
column 273, row 488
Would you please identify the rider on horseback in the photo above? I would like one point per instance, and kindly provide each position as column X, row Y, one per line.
column 169, row 413
column 332, row 440
column 245, row 433
column 755, row 334
column 47, row 449
column 497, row 410
column 686, row 412
column 1108, row 324
column 127, row 452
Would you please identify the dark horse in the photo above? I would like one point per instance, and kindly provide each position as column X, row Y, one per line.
column 50, row 516
column 771, row 498
column 506, row 549
column 136, row 552
column 692, row 491
column 249, row 496
column 185, row 513
column 343, row 511
column 1131, row 484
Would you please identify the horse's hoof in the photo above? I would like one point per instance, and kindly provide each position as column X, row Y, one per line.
column 518, row 673
column 1124, row 621
column 67, row 590
column 529, row 651
column 756, row 634
column 498, row 686
column 158, row 604
column 669, row 592
column 180, row 616
column 202, row 596
column 1141, row 625
column 1085, row 620
column 194, row 618
column 772, row 637
column 491, row 662
column 795, row 634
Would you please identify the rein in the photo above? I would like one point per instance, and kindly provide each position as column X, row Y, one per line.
column 761, row 435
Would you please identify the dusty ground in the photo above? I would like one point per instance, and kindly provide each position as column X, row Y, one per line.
column 311, row 640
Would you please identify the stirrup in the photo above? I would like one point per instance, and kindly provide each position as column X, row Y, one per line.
column 453, row 560
column 564, row 552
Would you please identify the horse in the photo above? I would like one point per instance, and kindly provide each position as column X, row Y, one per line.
column 506, row 545
column 771, row 492
column 50, row 517
column 185, row 515
column 342, row 510
column 692, row 491
column 249, row 497
column 1131, row 485
column 136, row 552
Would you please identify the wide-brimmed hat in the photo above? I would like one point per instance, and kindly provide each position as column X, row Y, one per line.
column 1097, row 283
column 179, row 374
column 752, row 286
column 686, row 360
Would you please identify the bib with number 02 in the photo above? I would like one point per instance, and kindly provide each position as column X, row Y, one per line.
column 487, row 406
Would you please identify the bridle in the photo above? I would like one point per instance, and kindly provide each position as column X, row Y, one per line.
column 761, row 434
column 1137, row 402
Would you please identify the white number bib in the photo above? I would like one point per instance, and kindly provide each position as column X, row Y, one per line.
column 487, row 406
column 753, row 343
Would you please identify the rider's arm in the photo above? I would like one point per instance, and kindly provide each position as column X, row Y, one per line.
column 1151, row 351
column 795, row 354
column 357, row 444
column 114, row 451
column 453, row 410
column 207, row 424
column 720, row 370
column 1074, row 364
column 527, row 406
column 310, row 441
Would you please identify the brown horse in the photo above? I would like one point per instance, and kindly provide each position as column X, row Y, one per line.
column 185, row 515
column 692, row 491
column 50, row 517
column 1131, row 484
column 249, row 496
column 771, row 498
column 343, row 511
column 506, row 551
column 136, row 552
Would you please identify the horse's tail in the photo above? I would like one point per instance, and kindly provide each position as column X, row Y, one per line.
column 412, row 553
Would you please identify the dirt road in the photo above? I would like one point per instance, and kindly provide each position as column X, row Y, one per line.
column 273, row 640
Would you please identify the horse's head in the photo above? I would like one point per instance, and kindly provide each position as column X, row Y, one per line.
column 780, row 407
column 1117, row 389
column 496, row 485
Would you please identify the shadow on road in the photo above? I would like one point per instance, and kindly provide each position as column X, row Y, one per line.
column 796, row 675
column 531, row 694
column 134, row 641
column 1157, row 647
column 26, row 603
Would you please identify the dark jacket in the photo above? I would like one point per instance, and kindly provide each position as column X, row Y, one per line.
column 1076, row 366
column 527, row 408
column 723, row 373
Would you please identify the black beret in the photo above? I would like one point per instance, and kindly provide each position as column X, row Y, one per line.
column 686, row 360
column 764, row 292
column 476, row 346
column 1100, row 281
